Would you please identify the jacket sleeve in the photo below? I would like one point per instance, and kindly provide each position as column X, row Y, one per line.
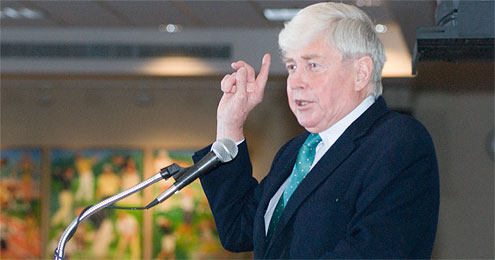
column 233, row 196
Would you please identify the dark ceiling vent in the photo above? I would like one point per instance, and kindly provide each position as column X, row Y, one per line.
column 455, row 49
column 111, row 51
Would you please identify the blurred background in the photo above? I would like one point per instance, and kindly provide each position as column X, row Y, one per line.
column 109, row 78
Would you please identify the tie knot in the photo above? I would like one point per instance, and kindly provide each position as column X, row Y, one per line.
column 313, row 140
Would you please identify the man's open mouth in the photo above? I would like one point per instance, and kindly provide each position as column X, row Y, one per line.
column 302, row 103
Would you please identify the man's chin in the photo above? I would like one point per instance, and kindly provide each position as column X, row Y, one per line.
column 309, row 126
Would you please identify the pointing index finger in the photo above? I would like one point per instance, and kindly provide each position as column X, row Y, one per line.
column 264, row 71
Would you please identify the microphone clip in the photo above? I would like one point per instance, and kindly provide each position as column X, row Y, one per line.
column 172, row 170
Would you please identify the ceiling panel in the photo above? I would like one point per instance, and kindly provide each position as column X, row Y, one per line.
column 150, row 13
column 79, row 13
column 379, row 11
column 408, row 14
column 228, row 13
column 247, row 13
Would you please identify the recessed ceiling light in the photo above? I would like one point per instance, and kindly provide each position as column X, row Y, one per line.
column 10, row 12
column 170, row 28
column 381, row 28
column 280, row 14
column 29, row 13
column 22, row 13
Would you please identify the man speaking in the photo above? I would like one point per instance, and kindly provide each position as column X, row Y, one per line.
column 360, row 182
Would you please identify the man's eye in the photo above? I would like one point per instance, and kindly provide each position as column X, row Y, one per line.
column 291, row 67
column 313, row 65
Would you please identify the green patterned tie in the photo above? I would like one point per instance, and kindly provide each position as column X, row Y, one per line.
column 303, row 164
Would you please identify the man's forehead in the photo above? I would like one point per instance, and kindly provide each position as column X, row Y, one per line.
column 316, row 49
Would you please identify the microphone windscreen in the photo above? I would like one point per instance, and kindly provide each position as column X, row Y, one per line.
column 225, row 149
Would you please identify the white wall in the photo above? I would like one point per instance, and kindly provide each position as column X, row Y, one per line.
column 181, row 113
column 460, row 124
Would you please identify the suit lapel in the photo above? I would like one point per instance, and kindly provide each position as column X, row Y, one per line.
column 320, row 172
column 273, row 182
column 332, row 159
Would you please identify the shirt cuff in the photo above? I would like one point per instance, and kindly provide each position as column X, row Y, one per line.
column 240, row 142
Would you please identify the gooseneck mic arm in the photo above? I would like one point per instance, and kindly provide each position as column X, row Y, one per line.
column 164, row 173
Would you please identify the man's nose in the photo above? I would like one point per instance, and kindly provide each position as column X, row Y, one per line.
column 297, row 79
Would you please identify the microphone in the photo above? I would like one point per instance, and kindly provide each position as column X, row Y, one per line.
column 222, row 151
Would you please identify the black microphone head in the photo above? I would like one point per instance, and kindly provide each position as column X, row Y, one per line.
column 225, row 149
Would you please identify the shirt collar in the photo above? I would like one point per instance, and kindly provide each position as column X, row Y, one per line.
column 331, row 135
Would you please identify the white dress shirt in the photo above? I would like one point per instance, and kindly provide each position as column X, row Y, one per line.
column 329, row 137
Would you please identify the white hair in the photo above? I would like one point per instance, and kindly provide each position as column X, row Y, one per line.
column 345, row 27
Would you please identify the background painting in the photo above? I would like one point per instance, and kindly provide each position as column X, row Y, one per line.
column 80, row 178
column 183, row 225
column 20, row 205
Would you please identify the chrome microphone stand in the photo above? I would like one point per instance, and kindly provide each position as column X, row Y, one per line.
column 164, row 173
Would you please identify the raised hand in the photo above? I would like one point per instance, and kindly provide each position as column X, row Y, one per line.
column 242, row 91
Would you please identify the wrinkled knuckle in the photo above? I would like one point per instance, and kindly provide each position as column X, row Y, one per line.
column 242, row 96
column 222, row 83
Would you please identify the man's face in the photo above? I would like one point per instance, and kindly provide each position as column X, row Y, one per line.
column 320, row 85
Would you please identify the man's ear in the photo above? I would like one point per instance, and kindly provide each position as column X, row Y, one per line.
column 364, row 69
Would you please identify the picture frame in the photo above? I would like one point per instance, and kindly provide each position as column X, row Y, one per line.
column 20, row 203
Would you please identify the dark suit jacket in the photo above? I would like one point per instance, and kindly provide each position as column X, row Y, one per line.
column 374, row 194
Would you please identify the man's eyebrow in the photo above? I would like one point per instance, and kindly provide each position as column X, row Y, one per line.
column 311, row 56
column 305, row 57
column 287, row 60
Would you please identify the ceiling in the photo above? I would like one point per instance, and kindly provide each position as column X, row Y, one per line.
column 407, row 15
column 202, row 14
